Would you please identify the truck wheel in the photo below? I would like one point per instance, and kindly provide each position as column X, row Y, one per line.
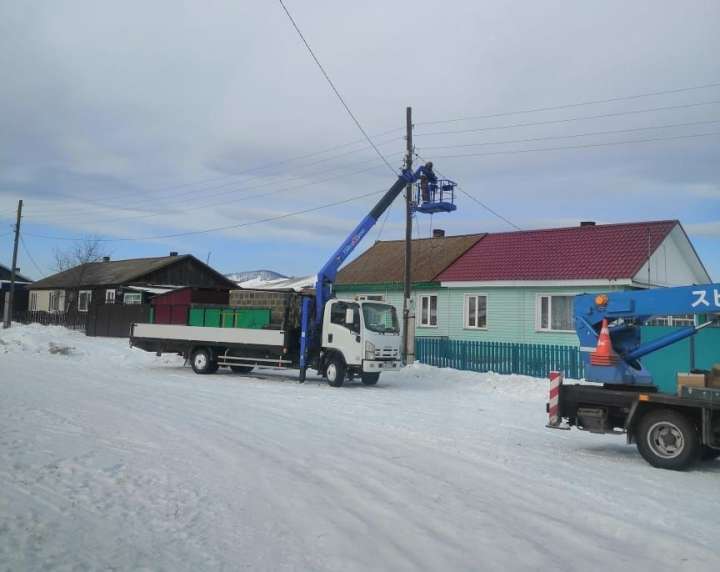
column 709, row 454
column 335, row 371
column 201, row 361
column 369, row 378
column 241, row 368
column 667, row 439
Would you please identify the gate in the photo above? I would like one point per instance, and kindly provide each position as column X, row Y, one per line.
column 114, row 320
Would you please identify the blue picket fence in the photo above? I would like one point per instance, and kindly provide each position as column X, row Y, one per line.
column 535, row 360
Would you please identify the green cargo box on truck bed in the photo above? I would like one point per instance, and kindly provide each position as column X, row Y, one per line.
column 251, row 318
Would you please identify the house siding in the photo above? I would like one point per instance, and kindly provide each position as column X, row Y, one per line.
column 511, row 312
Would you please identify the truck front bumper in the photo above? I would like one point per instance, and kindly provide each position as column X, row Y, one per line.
column 376, row 366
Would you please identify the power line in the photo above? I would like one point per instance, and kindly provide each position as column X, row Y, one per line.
column 568, row 119
column 332, row 85
column 572, row 105
column 35, row 264
column 478, row 201
column 533, row 139
column 195, row 191
column 214, row 229
column 487, row 208
column 237, row 199
column 586, row 146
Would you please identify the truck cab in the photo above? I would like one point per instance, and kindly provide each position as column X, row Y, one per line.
column 359, row 338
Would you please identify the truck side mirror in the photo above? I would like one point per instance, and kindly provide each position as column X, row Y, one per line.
column 349, row 316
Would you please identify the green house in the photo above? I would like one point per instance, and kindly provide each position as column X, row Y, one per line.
column 518, row 287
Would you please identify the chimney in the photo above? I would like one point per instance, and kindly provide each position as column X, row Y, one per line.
column 438, row 233
column 106, row 259
column 587, row 223
column 173, row 253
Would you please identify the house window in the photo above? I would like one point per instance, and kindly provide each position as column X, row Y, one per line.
column 678, row 321
column 555, row 313
column 428, row 311
column 110, row 296
column 84, row 297
column 132, row 298
column 476, row 311
column 54, row 301
column 33, row 301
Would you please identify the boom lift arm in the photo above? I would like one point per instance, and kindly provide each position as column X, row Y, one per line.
column 311, row 321
column 625, row 312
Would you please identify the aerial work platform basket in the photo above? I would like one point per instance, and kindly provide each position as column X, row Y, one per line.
column 435, row 197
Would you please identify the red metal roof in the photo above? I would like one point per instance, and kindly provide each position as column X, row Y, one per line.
column 609, row 251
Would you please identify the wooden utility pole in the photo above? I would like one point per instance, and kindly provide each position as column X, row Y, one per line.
column 10, row 298
column 408, row 315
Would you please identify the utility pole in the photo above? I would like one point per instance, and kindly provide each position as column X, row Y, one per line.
column 408, row 315
column 11, row 295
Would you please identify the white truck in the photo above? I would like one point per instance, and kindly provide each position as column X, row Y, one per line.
column 340, row 339
column 358, row 339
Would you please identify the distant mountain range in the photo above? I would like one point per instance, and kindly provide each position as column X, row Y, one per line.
column 263, row 275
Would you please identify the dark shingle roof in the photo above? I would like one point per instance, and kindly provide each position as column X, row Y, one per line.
column 609, row 251
column 384, row 262
column 108, row 273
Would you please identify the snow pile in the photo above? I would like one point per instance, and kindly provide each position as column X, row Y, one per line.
column 296, row 284
column 37, row 339
column 255, row 275
column 112, row 458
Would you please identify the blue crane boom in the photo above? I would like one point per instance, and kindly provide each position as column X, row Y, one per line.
column 311, row 320
column 625, row 312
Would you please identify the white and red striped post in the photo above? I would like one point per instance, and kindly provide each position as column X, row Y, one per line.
column 556, row 379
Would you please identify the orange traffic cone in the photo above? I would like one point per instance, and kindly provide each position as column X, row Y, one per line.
column 603, row 354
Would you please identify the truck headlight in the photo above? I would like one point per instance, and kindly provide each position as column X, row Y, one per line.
column 369, row 350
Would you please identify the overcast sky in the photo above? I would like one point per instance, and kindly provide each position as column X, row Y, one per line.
column 141, row 119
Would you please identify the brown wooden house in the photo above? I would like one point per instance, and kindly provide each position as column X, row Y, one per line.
column 123, row 287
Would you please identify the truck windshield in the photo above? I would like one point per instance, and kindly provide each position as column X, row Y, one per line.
column 381, row 318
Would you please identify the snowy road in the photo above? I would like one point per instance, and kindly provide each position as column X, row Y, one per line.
column 111, row 458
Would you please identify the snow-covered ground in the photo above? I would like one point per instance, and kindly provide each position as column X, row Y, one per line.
column 111, row 458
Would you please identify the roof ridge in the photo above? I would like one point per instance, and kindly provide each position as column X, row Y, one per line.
column 578, row 227
column 468, row 234
column 134, row 259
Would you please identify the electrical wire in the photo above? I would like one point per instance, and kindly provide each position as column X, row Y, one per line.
column 478, row 201
column 30, row 256
column 568, row 119
column 589, row 134
column 332, row 85
column 243, row 198
column 213, row 229
column 195, row 191
column 585, row 146
column 572, row 105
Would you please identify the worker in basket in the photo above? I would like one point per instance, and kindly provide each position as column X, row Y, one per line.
column 428, row 183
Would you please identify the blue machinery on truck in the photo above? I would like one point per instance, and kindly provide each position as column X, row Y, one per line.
column 625, row 312
column 671, row 428
column 431, row 195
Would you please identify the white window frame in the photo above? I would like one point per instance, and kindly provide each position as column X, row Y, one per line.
column 466, row 313
column 33, row 301
column 87, row 300
column 110, row 296
column 132, row 296
column 55, row 297
column 538, row 313
column 419, row 322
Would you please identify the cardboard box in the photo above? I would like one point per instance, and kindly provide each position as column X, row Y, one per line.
column 714, row 378
column 690, row 380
